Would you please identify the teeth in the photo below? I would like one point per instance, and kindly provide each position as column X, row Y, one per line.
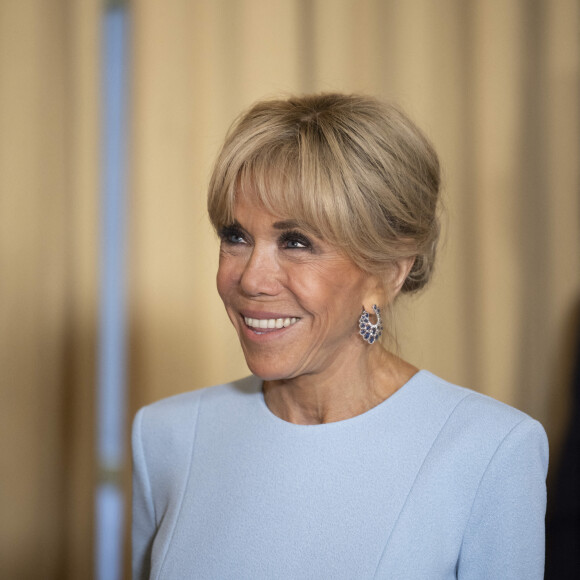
column 269, row 322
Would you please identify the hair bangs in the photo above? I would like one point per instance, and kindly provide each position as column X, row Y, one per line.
column 290, row 179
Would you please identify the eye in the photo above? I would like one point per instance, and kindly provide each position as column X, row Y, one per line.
column 294, row 244
column 295, row 241
column 232, row 235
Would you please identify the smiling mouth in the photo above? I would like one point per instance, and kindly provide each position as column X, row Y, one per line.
column 269, row 323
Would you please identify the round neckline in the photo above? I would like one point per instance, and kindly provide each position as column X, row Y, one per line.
column 343, row 422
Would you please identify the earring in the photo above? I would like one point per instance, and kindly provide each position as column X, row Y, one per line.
column 369, row 331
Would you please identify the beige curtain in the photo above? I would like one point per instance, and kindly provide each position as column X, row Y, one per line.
column 48, row 277
column 496, row 85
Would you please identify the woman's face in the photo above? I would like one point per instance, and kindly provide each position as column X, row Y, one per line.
column 294, row 299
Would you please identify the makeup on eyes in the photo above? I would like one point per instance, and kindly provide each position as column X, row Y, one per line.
column 294, row 236
column 228, row 233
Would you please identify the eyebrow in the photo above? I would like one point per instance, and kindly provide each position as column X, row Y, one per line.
column 286, row 225
column 281, row 225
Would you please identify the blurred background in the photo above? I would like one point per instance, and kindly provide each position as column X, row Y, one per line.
column 110, row 116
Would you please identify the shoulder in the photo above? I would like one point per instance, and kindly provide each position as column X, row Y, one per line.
column 468, row 405
column 482, row 448
column 165, row 432
column 478, row 424
column 173, row 417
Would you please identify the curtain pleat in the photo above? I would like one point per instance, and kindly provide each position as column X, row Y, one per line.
column 48, row 277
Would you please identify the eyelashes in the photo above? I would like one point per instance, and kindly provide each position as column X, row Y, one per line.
column 234, row 235
column 231, row 234
column 295, row 240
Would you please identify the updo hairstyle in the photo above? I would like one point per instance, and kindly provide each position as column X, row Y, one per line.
column 349, row 169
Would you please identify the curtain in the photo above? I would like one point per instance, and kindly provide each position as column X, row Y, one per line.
column 48, row 279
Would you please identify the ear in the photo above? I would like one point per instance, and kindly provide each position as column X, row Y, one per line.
column 383, row 289
column 375, row 292
column 397, row 276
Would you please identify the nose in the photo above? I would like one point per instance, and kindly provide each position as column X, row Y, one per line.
column 261, row 274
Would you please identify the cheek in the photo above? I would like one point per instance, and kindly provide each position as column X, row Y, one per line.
column 327, row 293
column 343, row 295
column 225, row 278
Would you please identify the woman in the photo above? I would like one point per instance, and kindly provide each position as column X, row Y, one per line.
column 335, row 459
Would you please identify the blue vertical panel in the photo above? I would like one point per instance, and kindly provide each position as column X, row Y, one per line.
column 110, row 503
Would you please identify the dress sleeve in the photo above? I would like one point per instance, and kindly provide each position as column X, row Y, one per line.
column 143, row 522
column 505, row 536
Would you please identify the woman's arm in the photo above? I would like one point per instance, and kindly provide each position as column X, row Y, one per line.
column 504, row 537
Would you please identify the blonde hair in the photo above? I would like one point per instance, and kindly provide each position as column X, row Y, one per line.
column 352, row 170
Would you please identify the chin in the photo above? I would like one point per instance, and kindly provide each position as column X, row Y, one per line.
column 268, row 371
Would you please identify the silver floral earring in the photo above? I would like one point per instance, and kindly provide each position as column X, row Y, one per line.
column 369, row 331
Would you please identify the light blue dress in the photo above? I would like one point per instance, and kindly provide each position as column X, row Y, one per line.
column 436, row 482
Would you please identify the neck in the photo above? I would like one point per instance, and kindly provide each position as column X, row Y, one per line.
column 341, row 392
